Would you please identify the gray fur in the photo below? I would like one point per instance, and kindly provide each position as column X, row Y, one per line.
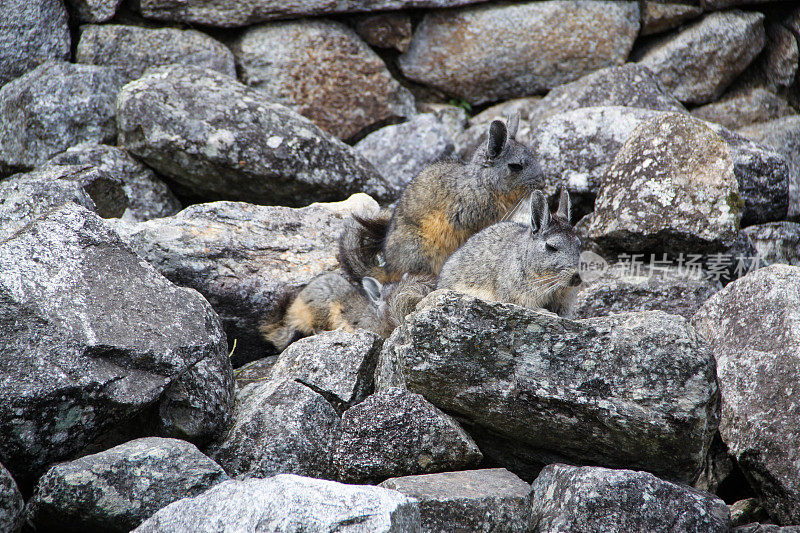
column 534, row 265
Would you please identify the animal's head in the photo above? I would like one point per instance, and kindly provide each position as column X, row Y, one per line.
column 507, row 162
column 554, row 248
column 390, row 303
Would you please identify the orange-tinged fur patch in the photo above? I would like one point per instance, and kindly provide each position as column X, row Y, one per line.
column 336, row 319
column 301, row 317
column 439, row 238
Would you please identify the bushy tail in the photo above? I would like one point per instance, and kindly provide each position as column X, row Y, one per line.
column 274, row 328
column 360, row 245
column 404, row 296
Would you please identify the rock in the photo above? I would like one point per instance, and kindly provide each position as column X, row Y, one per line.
column 779, row 61
column 279, row 426
column 246, row 260
column 94, row 10
column 385, row 30
column 630, row 293
column 26, row 196
column 671, row 188
column 93, row 337
column 658, row 16
column 746, row 511
column 401, row 152
column 222, row 140
column 53, row 107
column 30, row 34
column 338, row 365
column 744, row 109
column 783, row 136
column 754, row 330
column 474, row 500
column 325, row 72
column 571, row 498
column 765, row 528
column 288, row 503
column 254, row 371
column 553, row 389
column 135, row 49
column 699, row 62
column 116, row 490
column 489, row 53
column 247, row 12
column 777, row 242
column 11, row 503
column 148, row 196
column 398, row 433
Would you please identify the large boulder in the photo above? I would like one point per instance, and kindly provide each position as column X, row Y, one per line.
column 11, row 503
column 473, row 500
column 634, row 389
column 222, row 140
column 591, row 499
column 288, row 503
column 402, row 151
column 94, row 337
column 745, row 109
column 53, row 107
column 247, row 260
column 325, row 72
column 135, row 49
column 489, row 53
column 662, row 15
column 672, row 189
column 30, row 34
column 700, row 61
column 148, row 196
column 753, row 326
column 246, row 12
column 385, row 30
column 783, row 136
column 116, row 490
column 336, row 364
column 577, row 147
column 399, row 433
column 279, row 426
column 94, row 10
column 777, row 242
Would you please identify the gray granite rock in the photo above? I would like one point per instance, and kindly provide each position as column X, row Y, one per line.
column 489, row 53
column 246, row 260
column 325, row 72
column 136, row 49
column 777, row 242
column 777, row 64
column 385, row 30
column 672, row 189
column 595, row 500
column 246, row 12
column 336, row 364
column 25, row 196
column 765, row 528
column 53, row 107
column 220, row 139
column 30, row 34
column 279, row 426
column 402, row 151
column 754, row 331
column 700, row 61
column 94, row 10
column 659, row 16
column 783, row 136
column 473, row 500
column 94, row 336
column 745, row 109
column 148, row 196
column 288, row 503
column 11, row 503
column 398, row 433
column 747, row 511
column 116, row 490
column 547, row 389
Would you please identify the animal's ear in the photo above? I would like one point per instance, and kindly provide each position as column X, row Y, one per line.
column 564, row 205
column 540, row 212
column 513, row 125
column 373, row 289
column 498, row 135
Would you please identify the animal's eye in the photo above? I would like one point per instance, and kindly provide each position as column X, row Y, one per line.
column 516, row 167
column 550, row 247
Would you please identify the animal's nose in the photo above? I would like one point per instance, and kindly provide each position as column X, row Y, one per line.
column 575, row 280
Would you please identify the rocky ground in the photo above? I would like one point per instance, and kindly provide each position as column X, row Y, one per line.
column 173, row 171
